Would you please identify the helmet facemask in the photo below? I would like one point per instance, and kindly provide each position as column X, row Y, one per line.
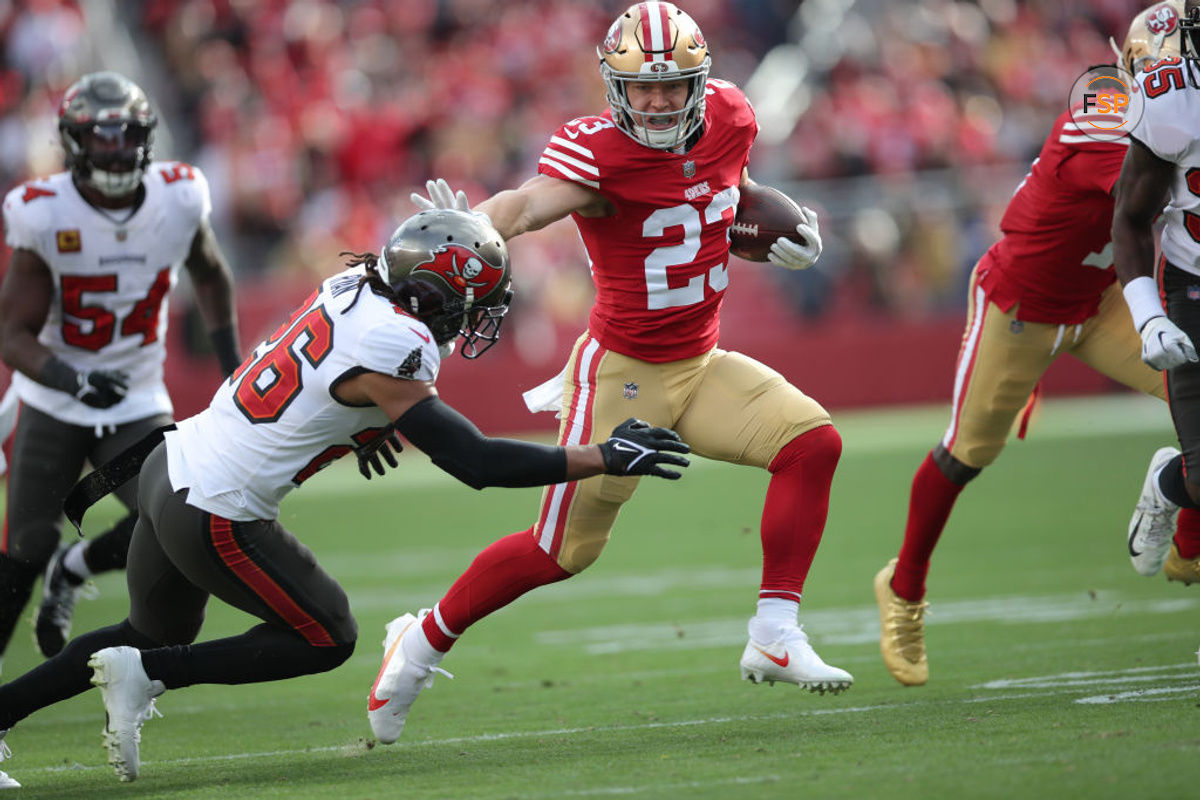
column 109, row 157
column 686, row 119
column 655, row 42
column 1189, row 41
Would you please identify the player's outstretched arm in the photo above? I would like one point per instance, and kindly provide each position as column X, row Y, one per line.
column 533, row 205
column 455, row 445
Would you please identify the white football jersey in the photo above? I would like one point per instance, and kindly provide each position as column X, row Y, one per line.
column 1170, row 128
column 111, row 280
column 275, row 422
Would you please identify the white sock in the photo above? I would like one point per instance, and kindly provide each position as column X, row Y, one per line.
column 418, row 650
column 774, row 615
column 74, row 562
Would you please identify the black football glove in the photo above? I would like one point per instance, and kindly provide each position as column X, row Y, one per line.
column 635, row 448
column 102, row 388
column 383, row 447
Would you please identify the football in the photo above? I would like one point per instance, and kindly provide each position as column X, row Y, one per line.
column 763, row 215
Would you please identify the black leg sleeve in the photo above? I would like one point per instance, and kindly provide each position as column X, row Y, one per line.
column 65, row 675
column 16, row 585
column 263, row 653
column 109, row 550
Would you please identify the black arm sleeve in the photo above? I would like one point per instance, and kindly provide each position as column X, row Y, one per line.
column 455, row 445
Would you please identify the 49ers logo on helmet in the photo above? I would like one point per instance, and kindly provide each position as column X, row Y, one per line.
column 613, row 37
column 462, row 267
column 1162, row 19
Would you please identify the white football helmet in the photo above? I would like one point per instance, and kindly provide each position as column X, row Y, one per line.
column 655, row 41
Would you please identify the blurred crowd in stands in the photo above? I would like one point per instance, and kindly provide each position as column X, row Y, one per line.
column 907, row 123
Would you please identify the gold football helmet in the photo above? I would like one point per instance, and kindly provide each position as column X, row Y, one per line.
column 1152, row 36
column 655, row 41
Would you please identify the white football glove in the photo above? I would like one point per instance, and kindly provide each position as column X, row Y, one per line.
column 1164, row 345
column 441, row 196
column 790, row 255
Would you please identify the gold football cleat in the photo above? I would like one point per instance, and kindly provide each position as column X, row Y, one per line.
column 901, row 631
column 1178, row 568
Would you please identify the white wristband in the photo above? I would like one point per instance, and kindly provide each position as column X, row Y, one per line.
column 1141, row 294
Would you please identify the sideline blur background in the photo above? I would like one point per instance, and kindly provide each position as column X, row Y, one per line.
column 907, row 125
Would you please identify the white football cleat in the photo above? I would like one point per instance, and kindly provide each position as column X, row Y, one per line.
column 6, row 782
column 128, row 702
column 791, row 659
column 399, row 680
column 1153, row 521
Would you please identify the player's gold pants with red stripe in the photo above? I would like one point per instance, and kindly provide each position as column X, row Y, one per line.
column 1003, row 358
column 726, row 405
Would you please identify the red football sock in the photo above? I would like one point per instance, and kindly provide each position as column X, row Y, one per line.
column 1187, row 533
column 929, row 506
column 504, row 571
column 794, row 513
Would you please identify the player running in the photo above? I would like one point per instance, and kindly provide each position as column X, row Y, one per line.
column 652, row 184
column 1048, row 287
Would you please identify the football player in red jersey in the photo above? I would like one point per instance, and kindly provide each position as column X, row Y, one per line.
column 652, row 185
column 1047, row 287
column 83, row 319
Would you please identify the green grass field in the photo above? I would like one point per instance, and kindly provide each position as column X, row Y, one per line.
column 1056, row 670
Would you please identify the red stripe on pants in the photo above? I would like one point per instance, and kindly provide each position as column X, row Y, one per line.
column 251, row 575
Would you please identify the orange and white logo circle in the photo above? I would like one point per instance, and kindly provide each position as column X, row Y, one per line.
column 1106, row 103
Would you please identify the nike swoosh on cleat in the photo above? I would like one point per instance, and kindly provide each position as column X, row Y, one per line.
column 783, row 662
column 1133, row 534
column 373, row 702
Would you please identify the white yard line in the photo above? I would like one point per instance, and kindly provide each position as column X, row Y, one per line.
column 1180, row 677
column 860, row 624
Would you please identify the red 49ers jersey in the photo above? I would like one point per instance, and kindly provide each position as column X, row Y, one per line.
column 660, row 261
column 1055, row 258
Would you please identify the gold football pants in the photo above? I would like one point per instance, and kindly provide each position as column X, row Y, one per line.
column 725, row 405
column 1002, row 359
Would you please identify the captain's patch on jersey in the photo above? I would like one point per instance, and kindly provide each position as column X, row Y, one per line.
column 69, row 241
column 411, row 365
